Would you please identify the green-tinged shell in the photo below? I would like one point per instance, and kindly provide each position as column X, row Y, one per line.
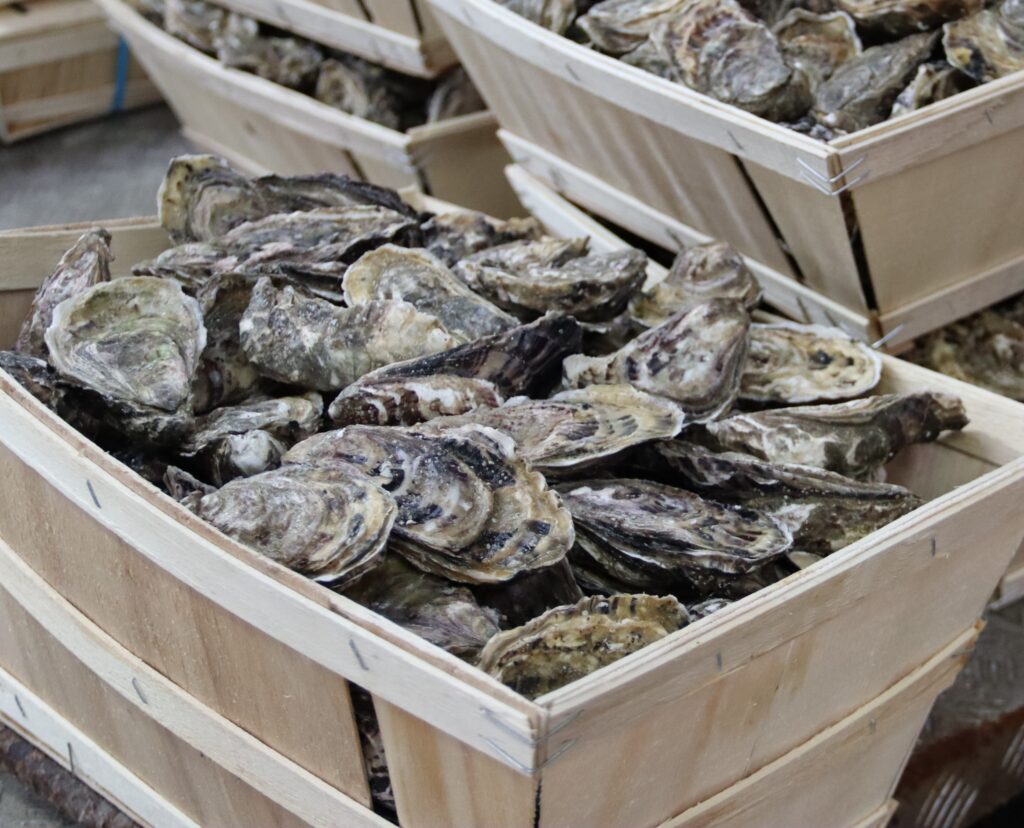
column 620, row 26
column 989, row 44
column 568, row 643
column 413, row 400
column 453, row 236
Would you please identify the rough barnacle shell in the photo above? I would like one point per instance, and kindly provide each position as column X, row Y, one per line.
column 577, row 427
column 413, row 400
column 861, row 92
column 453, row 236
column 699, row 273
column 358, row 88
column 824, row 511
column 816, row 44
column 989, row 44
column 289, row 419
column 593, row 288
column 619, row 26
column 453, row 96
column 933, row 82
column 330, row 524
column 896, row 18
column 790, row 363
column 469, row 509
column 853, row 438
column 313, row 343
column 695, row 358
column 555, row 15
column 137, row 340
column 85, row 264
column 718, row 48
column 567, row 643
column 416, row 277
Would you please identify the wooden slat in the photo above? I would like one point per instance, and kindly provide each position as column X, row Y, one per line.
column 397, row 15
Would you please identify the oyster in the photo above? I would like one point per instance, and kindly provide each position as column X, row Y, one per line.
column 816, row 44
column 897, row 18
column 416, row 277
column 705, row 608
column 454, row 95
column 862, row 91
column 575, row 428
column 823, row 510
column 199, row 24
column 443, row 613
column 289, row 419
column 695, row 358
column 699, row 273
column 933, row 82
column 313, row 343
column 137, row 340
column 330, row 524
column 567, row 643
column 648, row 57
column 653, row 536
column 790, row 363
column 555, row 15
column 530, row 594
column 284, row 60
column 357, row 87
column 85, row 264
column 36, row 377
column 240, row 455
column 619, row 26
column 718, row 48
column 853, row 438
column 453, row 236
column 989, row 44
column 517, row 257
column 185, row 487
column 413, row 400
column 469, row 509
column 592, row 288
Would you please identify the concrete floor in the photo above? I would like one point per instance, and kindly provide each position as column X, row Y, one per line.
column 20, row 808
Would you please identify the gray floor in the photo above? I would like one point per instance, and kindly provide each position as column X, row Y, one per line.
column 20, row 808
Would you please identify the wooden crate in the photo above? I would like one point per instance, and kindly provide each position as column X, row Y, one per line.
column 60, row 64
column 932, row 192
column 236, row 663
column 263, row 127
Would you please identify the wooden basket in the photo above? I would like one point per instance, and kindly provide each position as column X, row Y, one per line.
column 236, row 671
column 932, row 192
column 60, row 64
column 263, row 127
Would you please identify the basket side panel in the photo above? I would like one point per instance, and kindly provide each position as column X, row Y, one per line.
column 397, row 15
column 14, row 305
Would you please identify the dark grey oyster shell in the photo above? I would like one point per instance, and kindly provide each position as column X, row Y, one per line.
column 718, row 48
column 469, row 509
column 989, row 44
column 136, row 340
column 453, row 96
column 568, row 643
column 530, row 594
column 772, row 11
column 412, row 400
column 933, row 82
column 330, row 524
column 862, row 91
column 896, row 18
column 620, row 26
column 284, row 60
column 232, row 456
column 453, row 236
column 648, row 56
column 36, row 376
column 185, row 487
column 517, row 256
column 417, row 277
column 853, row 438
column 816, row 44
column 705, row 608
column 372, row 743
column 318, row 345
column 699, row 273
column 289, row 419
column 555, row 15
column 85, row 264
column 695, row 358
column 358, row 88
column 790, row 363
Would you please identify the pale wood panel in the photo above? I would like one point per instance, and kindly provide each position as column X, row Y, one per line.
column 14, row 307
column 440, row 782
column 397, row 15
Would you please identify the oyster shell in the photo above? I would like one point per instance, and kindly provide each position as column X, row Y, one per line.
column 137, row 340
column 699, row 273
column 530, row 594
column 592, row 288
column 85, row 264
column 453, row 236
column 567, row 643
column 718, row 48
column 816, row 44
column 330, row 524
column 240, row 455
column 185, row 487
column 933, row 82
column 853, row 438
column 790, row 364
column 36, row 377
column 469, row 509
column 454, row 95
column 575, row 428
column 695, row 358
column 445, row 614
column 897, row 18
column 199, row 24
column 705, row 608
column 619, row 26
column 648, row 57
column 413, row 400
column 989, row 44
column 289, row 419
column 517, row 257
column 315, row 344
column 285, row 60
column 555, row 15
column 358, row 88
column 862, row 91
column 416, row 277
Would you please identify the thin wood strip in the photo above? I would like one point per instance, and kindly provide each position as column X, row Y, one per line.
column 80, row 104
column 54, row 46
column 42, row 16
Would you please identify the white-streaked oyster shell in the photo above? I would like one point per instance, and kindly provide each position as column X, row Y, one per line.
column 816, row 44
column 240, row 455
column 289, row 419
column 989, row 44
column 413, row 400
column 454, row 236
column 933, row 82
column 620, row 26
column 897, row 18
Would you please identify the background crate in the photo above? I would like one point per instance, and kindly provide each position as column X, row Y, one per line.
column 930, row 192
column 59, row 64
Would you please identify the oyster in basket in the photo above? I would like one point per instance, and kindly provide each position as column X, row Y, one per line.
column 413, row 400
column 453, row 96
column 816, row 44
column 330, row 524
column 469, row 509
column 416, row 277
column 517, row 257
column 933, row 82
column 318, row 345
column 619, row 26
column 567, row 643
column 359, row 88
column 454, row 236
column 184, row 487
column 284, row 60
column 853, row 438
column 239, row 455
column 789, row 363
column 531, row 594
column 555, row 15
column 702, row 272
column 137, row 340
column 717, row 47
column 198, row 23
column 289, row 419
column 896, row 18
column 695, row 358
column 653, row 536
column 36, row 376
column 85, row 264
column 989, row 44
column 648, row 56
column 862, row 91
column 824, row 511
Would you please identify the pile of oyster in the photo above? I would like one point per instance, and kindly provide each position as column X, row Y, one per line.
column 340, row 80
column 823, row 67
